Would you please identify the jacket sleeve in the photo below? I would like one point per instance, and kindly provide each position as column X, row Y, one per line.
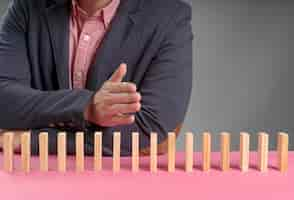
column 21, row 106
column 166, row 87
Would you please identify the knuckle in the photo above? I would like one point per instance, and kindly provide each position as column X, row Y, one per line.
column 124, row 86
column 132, row 97
column 138, row 97
column 133, row 86
column 136, row 107
column 107, row 85
column 129, row 86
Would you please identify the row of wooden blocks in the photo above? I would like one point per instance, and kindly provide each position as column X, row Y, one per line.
column 263, row 146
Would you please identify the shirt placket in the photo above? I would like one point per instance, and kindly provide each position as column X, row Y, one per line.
column 80, row 69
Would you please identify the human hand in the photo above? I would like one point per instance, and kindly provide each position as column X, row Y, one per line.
column 115, row 103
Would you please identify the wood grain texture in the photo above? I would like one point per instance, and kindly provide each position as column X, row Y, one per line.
column 26, row 152
column 98, row 151
column 171, row 151
column 116, row 152
column 225, row 151
column 206, row 151
column 80, row 155
column 189, row 152
column 43, row 151
column 61, row 152
column 135, row 152
column 263, row 151
column 153, row 152
column 283, row 149
column 244, row 151
column 8, row 141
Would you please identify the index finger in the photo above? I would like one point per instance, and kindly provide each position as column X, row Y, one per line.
column 123, row 87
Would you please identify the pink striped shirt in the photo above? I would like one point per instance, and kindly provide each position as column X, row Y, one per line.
column 86, row 34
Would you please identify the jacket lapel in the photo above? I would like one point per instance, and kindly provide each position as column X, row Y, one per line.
column 57, row 16
column 110, row 52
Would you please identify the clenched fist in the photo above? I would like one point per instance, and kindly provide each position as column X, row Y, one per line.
column 115, row 103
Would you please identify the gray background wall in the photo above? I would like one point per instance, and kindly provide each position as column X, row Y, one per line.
column 242, row 68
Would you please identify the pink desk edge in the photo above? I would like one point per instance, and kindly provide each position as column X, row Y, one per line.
column 232, row 185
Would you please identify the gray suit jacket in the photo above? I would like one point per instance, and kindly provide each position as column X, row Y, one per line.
column 153, row 37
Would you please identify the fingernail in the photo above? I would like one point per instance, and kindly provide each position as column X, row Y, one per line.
column 124, row 65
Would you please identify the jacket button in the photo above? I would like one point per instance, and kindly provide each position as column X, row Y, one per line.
column 71, row 124
column 52, row 126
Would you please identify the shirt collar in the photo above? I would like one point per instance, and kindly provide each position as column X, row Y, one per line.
column 106, row 13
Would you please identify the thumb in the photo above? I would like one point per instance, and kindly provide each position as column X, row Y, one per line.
column 119, row 74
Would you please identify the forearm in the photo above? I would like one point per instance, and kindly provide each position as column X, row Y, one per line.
column 27, row 108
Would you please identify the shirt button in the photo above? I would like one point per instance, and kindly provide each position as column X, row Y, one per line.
column 79, row 75
column 51, row 125
column 87, row 38
column 71, row 125
column 61, row 124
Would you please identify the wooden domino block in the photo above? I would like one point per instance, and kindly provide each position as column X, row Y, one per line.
column 26, row 152
column 263, row 151
column 116, row 152
column 98, row 151
column 283, row 148
column 61, row 152
column 80, row 160
column 244, row 151
column 171, row 151
column 135, row 152
column 8, row 151
column 206, row 151
column 189, row 146
column 153, row 152
column 225, row 151
column 43, row 151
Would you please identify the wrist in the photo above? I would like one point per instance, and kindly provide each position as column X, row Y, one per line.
column 88, row 113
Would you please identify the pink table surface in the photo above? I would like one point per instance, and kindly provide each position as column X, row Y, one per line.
column 215, row 184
